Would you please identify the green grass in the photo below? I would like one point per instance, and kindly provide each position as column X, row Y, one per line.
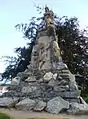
column 4, row 116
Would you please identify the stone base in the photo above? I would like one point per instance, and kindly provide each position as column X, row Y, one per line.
column 53, row 91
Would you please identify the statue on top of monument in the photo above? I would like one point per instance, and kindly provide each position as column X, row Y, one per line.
column 49, row 17
column 51, row 29
column 49, row 21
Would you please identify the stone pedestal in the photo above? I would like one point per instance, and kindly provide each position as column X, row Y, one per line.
column 46, row 53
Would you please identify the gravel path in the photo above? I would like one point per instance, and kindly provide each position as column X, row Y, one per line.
column 24, row 115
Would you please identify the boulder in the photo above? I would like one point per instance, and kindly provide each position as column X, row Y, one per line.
column 72, row 82
column 48, row 76
column 23, row 75
column 28, row 89
column 68, row 94
column 77, row 107
column 31, row 79
column 52, row 82
column 56, row 105
column 61, row 88
column 61, row 65
column 26, row 104
column 8, row 101
column 55, row 76
column 40, row 105
column 15, row 81
column 82, row 101
column 57, row 82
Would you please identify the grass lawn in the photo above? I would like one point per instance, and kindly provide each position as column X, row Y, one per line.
column 4, row 116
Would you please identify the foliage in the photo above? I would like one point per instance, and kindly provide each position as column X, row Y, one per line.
column 19, row 64
column 74, row 46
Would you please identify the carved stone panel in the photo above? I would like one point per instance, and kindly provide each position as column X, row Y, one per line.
column 44, row 53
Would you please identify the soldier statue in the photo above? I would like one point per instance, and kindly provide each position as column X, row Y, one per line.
column 50, row 26
column 49, row 21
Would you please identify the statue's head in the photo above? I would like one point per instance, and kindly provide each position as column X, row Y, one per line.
column 46, row 9
column 49, row 12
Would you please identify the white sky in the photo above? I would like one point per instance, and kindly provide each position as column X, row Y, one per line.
column 13, row 12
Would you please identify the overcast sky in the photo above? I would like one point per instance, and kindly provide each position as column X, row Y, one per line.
column 13, row 12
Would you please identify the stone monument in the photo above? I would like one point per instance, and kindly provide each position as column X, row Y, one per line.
column 47, row 84
column 46, row 52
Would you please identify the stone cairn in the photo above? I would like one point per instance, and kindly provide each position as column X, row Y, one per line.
column 47, row 84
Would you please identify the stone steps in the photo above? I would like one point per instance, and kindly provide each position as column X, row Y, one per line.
column 64, row 76
column 65, row 71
